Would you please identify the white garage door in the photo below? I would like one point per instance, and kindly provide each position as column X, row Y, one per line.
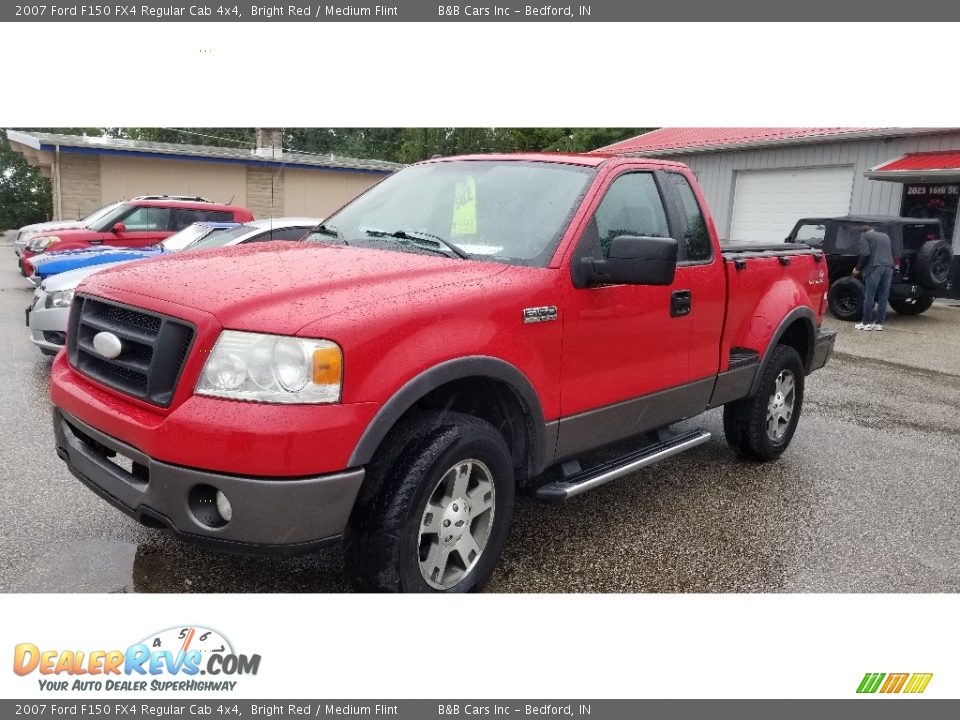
column 768, row 203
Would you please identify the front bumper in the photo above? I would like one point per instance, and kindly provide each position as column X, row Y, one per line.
column 823, row 349
column 269, row 515
column 48, row 326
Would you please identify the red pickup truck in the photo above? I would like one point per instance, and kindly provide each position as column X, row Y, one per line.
column 466, row 328
column 135, row 223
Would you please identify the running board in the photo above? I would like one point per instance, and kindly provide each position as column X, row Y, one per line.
column 584, row 480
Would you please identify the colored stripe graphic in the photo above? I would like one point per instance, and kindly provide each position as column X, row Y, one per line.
column 918, row 683
column 870, row 682
column 894, row 683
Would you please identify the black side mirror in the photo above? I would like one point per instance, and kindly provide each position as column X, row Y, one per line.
column 634, row 260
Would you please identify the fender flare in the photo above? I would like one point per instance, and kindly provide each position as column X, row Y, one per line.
column 803, row 313
column 418, row 387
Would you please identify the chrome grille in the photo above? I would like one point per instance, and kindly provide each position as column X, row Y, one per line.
column 154, row 348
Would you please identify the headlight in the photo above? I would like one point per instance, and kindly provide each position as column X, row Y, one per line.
column 59, row 299
column 272, row 369
column 42, row 243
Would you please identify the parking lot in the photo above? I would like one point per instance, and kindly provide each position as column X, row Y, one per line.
column 865, row 500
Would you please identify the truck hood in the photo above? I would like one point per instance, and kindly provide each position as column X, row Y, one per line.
column 280, row 287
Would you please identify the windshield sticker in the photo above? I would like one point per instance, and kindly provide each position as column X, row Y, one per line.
column 465, row 207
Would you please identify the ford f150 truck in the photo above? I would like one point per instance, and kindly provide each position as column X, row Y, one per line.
column 466, row 328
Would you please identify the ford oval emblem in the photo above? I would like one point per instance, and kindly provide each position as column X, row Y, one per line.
column 107, row 344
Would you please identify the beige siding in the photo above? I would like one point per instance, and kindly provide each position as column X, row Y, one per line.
column 125, row 177
column 265, row 190
column 317, row 193
column 80, row 189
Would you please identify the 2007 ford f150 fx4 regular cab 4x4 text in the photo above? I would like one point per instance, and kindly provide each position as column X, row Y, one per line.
column 466, row 328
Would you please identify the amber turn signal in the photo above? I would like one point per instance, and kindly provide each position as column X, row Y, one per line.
column 327, row 366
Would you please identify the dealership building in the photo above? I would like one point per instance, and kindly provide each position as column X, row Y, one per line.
column 760, row 181
column 87, row 173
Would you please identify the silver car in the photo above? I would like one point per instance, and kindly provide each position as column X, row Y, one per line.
column 47, row 314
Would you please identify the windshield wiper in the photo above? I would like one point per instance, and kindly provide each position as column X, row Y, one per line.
column 324, row 229
column 435, row 242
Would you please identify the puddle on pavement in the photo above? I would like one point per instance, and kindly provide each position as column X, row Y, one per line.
column 162, row 565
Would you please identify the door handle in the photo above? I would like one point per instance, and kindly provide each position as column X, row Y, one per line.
column 681, row 302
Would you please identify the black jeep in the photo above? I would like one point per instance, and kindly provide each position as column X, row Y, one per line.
column 921, row 259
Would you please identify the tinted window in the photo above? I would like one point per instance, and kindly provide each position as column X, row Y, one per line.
column 293, row 233
column 632, row 206
column 695, row 243
column 916, row 235
column 148, row 218
column 811, row 234
column 183, row 217
column 848, row 239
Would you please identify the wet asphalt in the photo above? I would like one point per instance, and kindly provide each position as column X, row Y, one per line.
column 865, row 499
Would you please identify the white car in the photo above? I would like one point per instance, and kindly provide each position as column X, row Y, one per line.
column 48, row 313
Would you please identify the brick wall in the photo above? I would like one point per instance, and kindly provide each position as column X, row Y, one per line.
column 79, row 185
column 259, row 181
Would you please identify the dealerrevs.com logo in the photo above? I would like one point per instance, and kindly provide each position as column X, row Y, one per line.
column 172, row 659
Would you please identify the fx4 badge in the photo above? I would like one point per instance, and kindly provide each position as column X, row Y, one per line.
column 540, row 314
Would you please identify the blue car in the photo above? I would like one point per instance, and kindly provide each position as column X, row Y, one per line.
column 54, row 263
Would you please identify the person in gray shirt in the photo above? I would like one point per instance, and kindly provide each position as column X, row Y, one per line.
column 876, row 267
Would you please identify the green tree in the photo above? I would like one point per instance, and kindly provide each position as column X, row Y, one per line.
column 25, row 195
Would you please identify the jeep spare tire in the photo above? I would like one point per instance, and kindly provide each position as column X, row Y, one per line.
column 846, row 299
column 932, row 267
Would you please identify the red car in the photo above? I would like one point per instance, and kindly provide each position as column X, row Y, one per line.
column 134, row 224
column 466, row 328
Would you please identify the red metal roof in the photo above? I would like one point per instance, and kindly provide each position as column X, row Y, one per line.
column 949, row 160
column 684, row 138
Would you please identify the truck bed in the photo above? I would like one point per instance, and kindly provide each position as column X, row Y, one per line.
column 761, row 281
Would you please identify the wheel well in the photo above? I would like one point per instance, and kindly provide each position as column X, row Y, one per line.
column 798, row 336
column 488, row 399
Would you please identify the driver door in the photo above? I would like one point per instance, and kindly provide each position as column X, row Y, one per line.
column 145, row 225
column 620, row 342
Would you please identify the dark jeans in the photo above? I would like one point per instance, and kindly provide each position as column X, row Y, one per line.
column 878, row 291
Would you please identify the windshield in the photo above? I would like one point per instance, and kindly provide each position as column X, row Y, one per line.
column 188, row 235
column 108, row 219
column 98, row 214
column 508, row 211
column 222, row 238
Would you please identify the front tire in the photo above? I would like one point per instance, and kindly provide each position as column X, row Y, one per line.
column 845, row 298
column 761, row 427
column 439, row 518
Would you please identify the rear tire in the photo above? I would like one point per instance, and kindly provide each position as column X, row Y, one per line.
column 911, row 306
column 761, row 427
column 439, row 517
column 846, row 298
column 932, row 266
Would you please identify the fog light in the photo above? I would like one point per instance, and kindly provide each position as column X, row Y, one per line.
column 223, row 506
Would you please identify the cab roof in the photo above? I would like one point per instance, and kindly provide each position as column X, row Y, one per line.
column 591, row 160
